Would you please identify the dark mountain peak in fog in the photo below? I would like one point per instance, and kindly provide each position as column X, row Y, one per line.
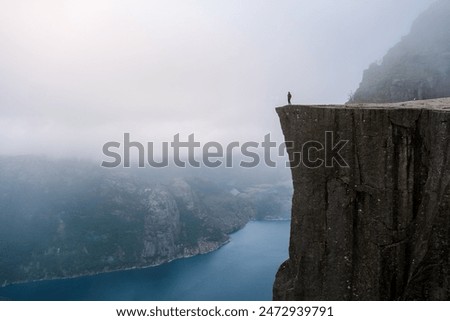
column 418, row 67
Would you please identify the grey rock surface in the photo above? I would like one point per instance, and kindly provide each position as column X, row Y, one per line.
column 378, row 229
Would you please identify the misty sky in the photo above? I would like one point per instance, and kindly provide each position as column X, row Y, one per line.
column 76, row 74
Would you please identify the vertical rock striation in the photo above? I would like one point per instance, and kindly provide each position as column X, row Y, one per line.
column 378, row 229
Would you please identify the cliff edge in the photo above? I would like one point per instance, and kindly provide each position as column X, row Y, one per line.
column 378, row 228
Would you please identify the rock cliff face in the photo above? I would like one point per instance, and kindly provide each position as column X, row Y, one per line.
column 378, row 229
column 418, row 67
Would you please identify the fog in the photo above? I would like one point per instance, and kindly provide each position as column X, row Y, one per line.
column 77, row 74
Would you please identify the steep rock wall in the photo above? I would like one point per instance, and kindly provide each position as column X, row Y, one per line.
column 378, row 229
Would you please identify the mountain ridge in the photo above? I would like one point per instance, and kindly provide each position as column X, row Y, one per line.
column 63, row 218
column 418, row 67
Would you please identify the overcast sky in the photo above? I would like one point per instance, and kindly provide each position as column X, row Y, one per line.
column 75, row 74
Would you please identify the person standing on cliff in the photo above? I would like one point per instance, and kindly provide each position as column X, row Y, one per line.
column 289, row 96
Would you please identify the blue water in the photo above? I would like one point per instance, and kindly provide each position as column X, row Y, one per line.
column 244, row 269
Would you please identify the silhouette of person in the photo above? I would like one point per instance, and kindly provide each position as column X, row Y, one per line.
column 289, row 96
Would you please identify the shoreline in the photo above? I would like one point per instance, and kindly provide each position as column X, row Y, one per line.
column 136, row 267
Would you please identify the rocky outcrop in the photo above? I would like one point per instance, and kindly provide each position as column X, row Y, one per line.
column 418, row 67
column 379, row 228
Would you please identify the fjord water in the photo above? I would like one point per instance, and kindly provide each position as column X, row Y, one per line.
column 243, row 269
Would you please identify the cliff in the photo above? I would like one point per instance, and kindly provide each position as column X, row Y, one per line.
column 418, row 67
column 378, row 229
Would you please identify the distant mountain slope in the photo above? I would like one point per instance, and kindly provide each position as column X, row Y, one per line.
column 69, row 218
column 418, row 67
